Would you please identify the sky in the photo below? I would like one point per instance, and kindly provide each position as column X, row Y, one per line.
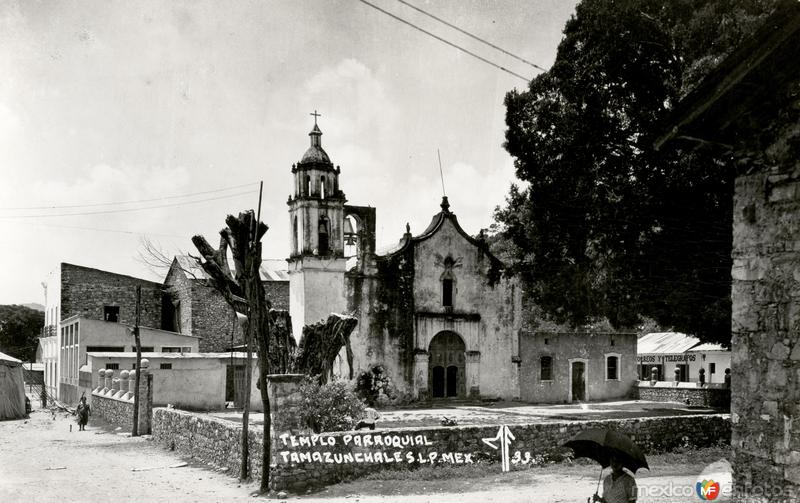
column 123, row 122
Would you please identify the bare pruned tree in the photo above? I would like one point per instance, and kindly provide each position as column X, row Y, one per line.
column 244, row 292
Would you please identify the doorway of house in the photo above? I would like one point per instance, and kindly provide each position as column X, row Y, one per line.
column 235, row 385
column 578, row 381
column 447, row 366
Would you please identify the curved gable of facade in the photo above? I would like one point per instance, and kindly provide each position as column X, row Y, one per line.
column 440, row 222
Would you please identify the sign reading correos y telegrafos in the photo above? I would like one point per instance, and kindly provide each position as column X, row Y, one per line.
column 666, row 358
column 377, row 448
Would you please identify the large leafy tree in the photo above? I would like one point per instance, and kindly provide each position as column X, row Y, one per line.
column 20, row 327
column 604, row 226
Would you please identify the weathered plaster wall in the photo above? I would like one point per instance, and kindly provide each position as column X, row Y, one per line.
column 317, row 290
column 382, row 301
column 478, row 291
column 399, row 307
column 562, row 347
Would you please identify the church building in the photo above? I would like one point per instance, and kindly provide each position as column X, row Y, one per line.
column 435, row 311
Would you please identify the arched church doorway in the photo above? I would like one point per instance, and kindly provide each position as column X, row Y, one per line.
column 447, row 366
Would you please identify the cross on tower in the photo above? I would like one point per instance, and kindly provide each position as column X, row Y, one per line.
column 315, row 114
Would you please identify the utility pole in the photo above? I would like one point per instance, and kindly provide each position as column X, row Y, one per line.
column 135, row 431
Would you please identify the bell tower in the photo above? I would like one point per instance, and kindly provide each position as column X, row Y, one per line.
column 316, row 259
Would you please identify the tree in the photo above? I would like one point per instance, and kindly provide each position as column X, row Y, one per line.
column 243, row 291
column 20, row 327
column 605, row 226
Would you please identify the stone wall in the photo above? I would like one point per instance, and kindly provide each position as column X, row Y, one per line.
column 303, row 461
column 113, row 398
column 765, row 363
column 208, row 439
column 113, row 410
column 709, row 395
column 212, row 319
column 85, row 291
column 278, row 294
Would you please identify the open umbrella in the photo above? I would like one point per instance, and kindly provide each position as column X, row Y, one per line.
column 601, row 445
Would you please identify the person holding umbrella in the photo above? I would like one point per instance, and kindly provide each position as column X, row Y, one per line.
column 611, row 448
column 619, row 486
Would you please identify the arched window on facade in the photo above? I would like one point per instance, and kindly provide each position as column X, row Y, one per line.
column 323, row 233
column 322, row 187
column 308, row 186
column 351, row 229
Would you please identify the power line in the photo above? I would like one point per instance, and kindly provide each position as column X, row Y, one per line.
column 451, row 44
column 90, row 205
column 95, row 229
column 126, row 210
column 465, row 32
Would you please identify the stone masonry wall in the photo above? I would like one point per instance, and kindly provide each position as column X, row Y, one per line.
column 212, row 319
column 115, row 411
column 278, row 294
column 85, row 291
column 304, row 461
column 765, row 366
column 691, row 394
column 110, row 401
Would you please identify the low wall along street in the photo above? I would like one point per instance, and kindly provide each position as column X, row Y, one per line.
column 690, row 393
column 300, row 462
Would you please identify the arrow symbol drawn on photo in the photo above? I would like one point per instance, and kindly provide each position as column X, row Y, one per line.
column 504, row 436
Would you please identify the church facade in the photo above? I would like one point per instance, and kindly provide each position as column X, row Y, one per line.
column 435, row 311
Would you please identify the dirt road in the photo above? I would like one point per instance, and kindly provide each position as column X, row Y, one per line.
column 42, row 461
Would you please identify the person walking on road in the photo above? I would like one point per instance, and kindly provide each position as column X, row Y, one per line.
column 83, row 411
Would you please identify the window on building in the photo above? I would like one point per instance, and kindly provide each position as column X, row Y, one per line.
column 612, row 370
column 322, row 187
column 712, row 367
column 683, row 372
column 295, row 236
column 448, row 283
column 105, row 349
column 171, row 349
column 546, row 365
column 111, row 313
column 165, row 366
column 447, row 292
column 145, row 349
column 322, row 242
column 308, row 185
column 112, row 366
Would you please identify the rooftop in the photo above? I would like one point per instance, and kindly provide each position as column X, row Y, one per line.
column 666, row 342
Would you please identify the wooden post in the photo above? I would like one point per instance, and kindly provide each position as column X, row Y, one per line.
column 135, row 431
column 245, row 471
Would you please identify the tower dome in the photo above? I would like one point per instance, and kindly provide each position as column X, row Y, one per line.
column 315, row 153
